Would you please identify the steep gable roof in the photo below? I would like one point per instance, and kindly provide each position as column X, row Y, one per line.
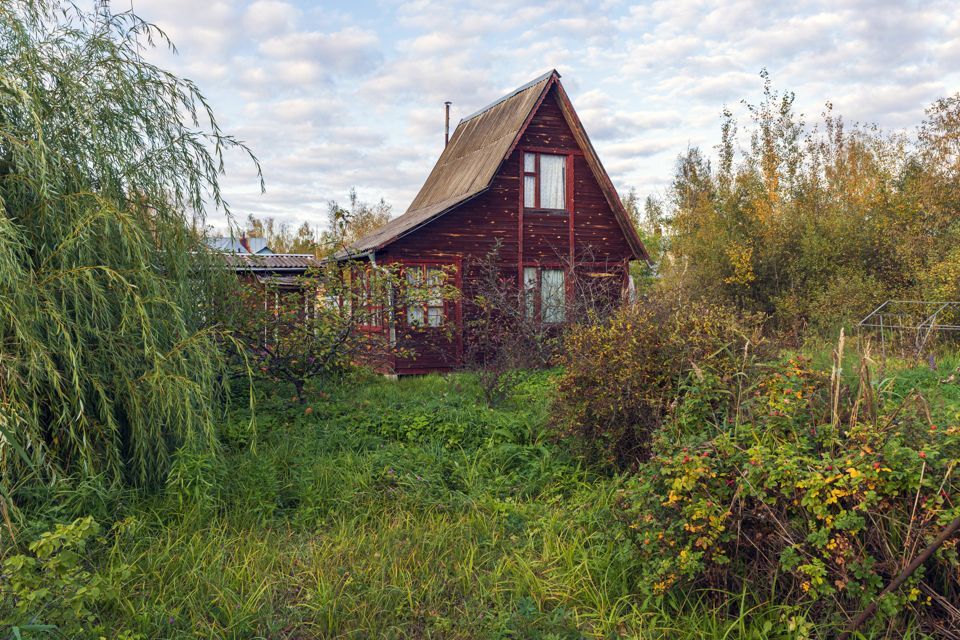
column 479, row 146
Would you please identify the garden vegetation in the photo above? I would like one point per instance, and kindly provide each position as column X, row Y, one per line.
column 695, row 465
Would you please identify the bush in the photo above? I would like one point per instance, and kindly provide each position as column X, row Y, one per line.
column 623, row 376
column 50, row 589
column 816, row 223
column 505, row 335
column 822, row 508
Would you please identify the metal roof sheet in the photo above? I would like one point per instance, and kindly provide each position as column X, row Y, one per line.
column 271, row 262
column 233, row 245
column 480, row 143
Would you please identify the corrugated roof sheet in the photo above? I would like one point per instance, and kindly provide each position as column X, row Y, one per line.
column 222, row 243
column 271, row 262
column 480, row 143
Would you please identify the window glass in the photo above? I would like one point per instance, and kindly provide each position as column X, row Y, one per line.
column 435, row 287
column 529, row 191
column 530, row 292
column 435, row 297
column 529, row 163
column 552, row 295
column 552, row 182
column 415, row 315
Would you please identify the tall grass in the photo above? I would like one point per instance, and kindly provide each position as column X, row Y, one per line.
column 352, row 521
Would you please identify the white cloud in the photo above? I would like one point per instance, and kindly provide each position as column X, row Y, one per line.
column 269, row 17
column 335, row 97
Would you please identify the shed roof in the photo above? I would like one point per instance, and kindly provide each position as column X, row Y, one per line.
column 478, row 147
column 235, row 245
column 274, row 262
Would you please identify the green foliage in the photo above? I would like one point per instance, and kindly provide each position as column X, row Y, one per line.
column 330, row 528
column 52, row 590
column 825, row 510
column 622, row 377
column 105, row 362
column 328, row 323
column 196, row 478
column 815, row 226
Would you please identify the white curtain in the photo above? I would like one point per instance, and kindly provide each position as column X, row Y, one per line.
column 530, row 191
column 553, row 295
column 414, row 305
column 530, row 292
column 552, row 183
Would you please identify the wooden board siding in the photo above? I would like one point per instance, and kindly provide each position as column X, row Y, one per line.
column 596, row 230
column 470, row 231
column 548, row 128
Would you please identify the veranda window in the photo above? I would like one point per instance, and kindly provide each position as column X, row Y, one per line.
column 424, row 296
column 544, row 181
column 371, row 295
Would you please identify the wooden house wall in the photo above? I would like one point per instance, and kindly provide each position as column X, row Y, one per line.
column 470, row 231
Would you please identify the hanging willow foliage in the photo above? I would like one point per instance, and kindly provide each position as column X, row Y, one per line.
column 107, row 164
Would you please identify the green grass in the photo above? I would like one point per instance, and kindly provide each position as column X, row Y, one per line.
column 391, row 510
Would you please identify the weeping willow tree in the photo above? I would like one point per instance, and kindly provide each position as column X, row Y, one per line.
column 107, row 166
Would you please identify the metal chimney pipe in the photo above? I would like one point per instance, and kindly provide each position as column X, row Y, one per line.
column 446, row 124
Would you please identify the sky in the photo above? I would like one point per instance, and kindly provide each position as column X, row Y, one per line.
column 334, row 95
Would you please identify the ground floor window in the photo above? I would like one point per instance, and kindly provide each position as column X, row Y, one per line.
column 544, row 294
column 424, row 295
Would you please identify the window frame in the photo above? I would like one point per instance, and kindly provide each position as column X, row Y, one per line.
column 428, row 304
column 532, row 293
column 536, row 175
column 364, row 287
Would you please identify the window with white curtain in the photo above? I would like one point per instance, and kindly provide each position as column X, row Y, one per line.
column 424, row 295
column 435, row 297
column 544, row 294
column 544, row 181
column 531, row 276
column 552, row 181
column 552, row 295
column 530, row 180
column 415, row 315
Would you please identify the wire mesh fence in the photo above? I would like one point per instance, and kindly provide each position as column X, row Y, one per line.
column 913, row 327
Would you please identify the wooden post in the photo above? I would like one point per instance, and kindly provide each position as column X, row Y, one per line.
column 867, row 613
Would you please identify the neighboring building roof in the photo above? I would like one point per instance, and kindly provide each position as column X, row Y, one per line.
column 273, row 262
column 236, row 245
column 477, row 149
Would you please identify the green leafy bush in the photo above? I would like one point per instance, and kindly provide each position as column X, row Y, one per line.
column 196, row 479
column 821, row 507
column 51, row 589
column 622, row 377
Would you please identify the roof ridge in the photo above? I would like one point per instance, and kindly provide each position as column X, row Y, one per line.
column 533, row 82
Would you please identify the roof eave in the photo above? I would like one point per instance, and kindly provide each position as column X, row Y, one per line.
column 600, row 174
column 383, row 245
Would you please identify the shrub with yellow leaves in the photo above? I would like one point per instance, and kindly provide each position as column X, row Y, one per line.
column 823, row 511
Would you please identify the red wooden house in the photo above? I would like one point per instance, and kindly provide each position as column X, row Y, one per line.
column 520, row 171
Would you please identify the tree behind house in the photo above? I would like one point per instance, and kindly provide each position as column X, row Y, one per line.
column 817, row 225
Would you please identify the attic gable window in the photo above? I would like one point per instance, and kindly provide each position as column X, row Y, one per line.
column 544, row 181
